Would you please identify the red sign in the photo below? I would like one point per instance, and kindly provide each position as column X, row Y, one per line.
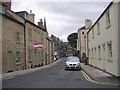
column 38, row 45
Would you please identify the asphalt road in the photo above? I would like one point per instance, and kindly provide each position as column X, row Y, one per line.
column 52, row 77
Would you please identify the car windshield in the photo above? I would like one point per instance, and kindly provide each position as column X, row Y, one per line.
column 73, row 60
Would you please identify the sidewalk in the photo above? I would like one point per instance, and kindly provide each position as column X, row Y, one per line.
column 99, row 75
column 22, row 72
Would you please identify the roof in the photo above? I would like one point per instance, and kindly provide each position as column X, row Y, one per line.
column 111, row 3
column 24, row 19
column 7, row 16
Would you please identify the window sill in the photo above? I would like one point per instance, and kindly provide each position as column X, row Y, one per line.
column 18, row 42
column 108, row 26
column 18, row 63
column 110, row 60
column 30, row 60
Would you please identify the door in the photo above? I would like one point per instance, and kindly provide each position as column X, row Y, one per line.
column 9, row 61
column 104, row 58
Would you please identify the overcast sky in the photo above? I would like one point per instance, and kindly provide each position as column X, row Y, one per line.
column 63, row 17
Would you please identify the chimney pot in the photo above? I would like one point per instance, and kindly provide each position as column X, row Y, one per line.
column 40, row 20
column 30, row 11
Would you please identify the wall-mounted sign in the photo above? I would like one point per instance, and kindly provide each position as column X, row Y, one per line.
column 38, row 45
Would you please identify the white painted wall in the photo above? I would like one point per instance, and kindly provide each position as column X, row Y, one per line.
column 119, row 40
column 106, row 35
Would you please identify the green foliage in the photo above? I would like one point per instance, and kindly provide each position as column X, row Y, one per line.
column 72, row 38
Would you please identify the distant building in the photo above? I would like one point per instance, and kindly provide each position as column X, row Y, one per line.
column 70, row 50
column 59, row 46
column 82, row 38
column 103, row 40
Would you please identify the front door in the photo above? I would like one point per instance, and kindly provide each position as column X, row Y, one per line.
column 104, row 58
column 9, row 61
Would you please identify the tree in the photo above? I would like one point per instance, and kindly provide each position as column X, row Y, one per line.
column 72, row 38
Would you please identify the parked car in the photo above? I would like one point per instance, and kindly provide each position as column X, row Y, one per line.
column 72, row 63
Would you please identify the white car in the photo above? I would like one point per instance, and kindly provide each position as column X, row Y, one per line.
column 72, row 63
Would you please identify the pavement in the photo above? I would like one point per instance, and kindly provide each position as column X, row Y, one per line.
column 99, row 75
column 22, row 72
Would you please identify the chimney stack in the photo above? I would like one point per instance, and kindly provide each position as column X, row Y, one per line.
column 7, row 3
column 45, row 27
column 40, row 24
column 31, row 17
column 88, row 23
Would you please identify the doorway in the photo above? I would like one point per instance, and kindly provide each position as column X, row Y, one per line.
column 104, row 57
column 9, row 61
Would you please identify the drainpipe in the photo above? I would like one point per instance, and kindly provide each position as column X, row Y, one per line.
column 25, row 45
column 87, row 48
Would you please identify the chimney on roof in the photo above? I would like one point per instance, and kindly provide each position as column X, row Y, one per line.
column 31, row 17
column 7, row 3
column 45, row 27
column 88, row 23
column 40, row 24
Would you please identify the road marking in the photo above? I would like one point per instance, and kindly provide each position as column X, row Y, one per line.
column 94, row 81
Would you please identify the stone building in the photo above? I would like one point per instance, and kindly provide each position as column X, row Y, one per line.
column 33, row 34
column 24, row 42
column 59, row 46
column 49, row 50
column 12, row 42
column 82, row 38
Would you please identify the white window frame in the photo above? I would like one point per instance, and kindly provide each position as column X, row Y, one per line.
column 110, row 53
column 99, row 52
column 108, row 21
column 98, row 28
column 93, row 33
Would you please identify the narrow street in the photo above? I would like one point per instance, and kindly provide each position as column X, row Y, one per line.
column 53, row 77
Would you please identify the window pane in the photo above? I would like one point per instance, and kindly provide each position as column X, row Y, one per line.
column 18, row 57
column 17, row 36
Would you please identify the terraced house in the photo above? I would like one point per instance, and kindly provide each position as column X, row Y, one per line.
column 12, row 42
column 103, row 40
column 24, row 42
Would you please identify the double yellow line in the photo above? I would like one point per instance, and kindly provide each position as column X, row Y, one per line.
column 94, row 81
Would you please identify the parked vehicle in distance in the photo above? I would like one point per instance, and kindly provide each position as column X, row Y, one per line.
column 72, row 63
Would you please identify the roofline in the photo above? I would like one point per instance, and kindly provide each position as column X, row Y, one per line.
column 111, row 3
column 34, row 24
column 11, row 19
column 29, row 21
column 48, row 39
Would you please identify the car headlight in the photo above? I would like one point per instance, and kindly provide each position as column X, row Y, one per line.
column 78, row 64
column 67, row 64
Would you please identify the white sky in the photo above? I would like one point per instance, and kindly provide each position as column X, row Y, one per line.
column 63, row 17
